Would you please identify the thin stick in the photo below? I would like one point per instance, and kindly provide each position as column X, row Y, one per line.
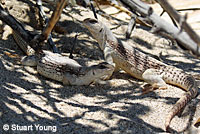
column 73, row 46
column 53, row 20
column 46, row 20
column 93, row 10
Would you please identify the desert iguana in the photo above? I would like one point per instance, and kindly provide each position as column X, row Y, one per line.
column 61, row 68
column 142, row 66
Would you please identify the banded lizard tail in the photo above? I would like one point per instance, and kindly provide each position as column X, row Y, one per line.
column 142, row 66
column 61, row 68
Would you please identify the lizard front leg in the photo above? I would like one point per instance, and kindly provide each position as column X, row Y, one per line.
column 108, row 58
column 74, row 80
column 155, row 79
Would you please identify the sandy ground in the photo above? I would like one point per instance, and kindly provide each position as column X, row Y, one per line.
column 29, row 100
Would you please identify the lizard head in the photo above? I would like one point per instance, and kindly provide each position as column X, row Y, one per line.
column 96, row 28
column 99, row 31
column 101, row 71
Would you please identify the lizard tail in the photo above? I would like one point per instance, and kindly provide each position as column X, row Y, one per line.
column 181, row 103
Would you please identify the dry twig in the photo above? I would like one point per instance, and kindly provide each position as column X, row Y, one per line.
column 183, row 38
column 181, row 19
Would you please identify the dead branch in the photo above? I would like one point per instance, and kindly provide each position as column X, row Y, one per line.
column 143, row 9
column 131, row 26
column 172, row 12
column 15, row 25
column 46, row 20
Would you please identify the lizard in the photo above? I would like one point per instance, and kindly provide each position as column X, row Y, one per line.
column 142, row 66
column 61, row 68
column 66, row 70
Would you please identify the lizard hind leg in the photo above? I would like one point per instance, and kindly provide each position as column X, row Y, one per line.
column 154, row 78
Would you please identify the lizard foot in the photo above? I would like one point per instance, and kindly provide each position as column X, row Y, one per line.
column 148, row 88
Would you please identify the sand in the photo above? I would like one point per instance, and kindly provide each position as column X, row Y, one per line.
column 31, row 103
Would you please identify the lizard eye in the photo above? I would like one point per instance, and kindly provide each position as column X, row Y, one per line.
column 100, row 30
column 93, row 73
column 93, row 21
